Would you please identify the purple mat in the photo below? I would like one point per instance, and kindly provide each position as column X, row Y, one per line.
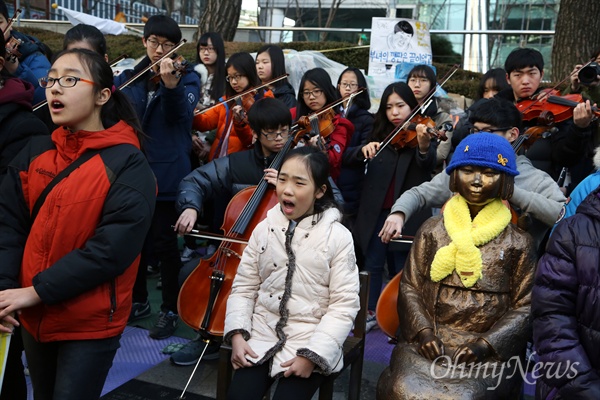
column 138, row 353
column 377, row 348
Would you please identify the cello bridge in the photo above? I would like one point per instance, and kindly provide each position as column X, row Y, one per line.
column 229, row 253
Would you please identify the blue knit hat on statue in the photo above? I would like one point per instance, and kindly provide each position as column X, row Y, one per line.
column 485, row 150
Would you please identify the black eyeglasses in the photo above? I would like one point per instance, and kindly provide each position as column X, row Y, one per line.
column 348, row 85
column 314, row 93
column 208, row 49
column 153, row 43
column 64, row 81
column 284, row 133
column 489, row 130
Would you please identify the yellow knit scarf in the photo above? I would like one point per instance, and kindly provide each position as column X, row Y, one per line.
column 462, row 254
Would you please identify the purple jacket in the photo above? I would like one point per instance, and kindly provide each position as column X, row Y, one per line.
column 565, row 306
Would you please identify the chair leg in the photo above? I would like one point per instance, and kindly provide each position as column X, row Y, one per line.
column 355, row 378
column 224, row 373
column 326, row 389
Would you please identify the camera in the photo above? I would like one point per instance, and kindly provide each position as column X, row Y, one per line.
column 589, row 74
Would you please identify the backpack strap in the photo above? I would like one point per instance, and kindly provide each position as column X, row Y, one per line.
column 63, row 174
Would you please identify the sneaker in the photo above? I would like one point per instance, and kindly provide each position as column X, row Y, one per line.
column 165, row 326
column 187, row 254
column 371, row 321
column 190, row 353
column 153, row 270
column 210, row 250
column 139, row 311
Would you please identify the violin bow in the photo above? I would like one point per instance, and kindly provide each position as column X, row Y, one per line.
column 213, row 236
column 540, row 98
column 112, row 63
column 419, row 109
column 12, row 20
column 403, row 239
column 242, row 94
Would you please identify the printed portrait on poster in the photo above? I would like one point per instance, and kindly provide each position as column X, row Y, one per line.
column 395, row 41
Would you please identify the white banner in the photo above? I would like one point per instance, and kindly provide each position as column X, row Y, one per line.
column 395, row 41
column 106, row 26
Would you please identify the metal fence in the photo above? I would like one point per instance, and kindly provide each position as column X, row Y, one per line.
column 134, row 11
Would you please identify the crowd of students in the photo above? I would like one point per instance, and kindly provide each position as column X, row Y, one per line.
column 125, row 171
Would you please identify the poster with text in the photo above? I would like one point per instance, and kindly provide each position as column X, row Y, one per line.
column 396, row 41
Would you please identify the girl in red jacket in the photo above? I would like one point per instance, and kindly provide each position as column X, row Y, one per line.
column 228, row 118
column 70, row 255
column 316, row 91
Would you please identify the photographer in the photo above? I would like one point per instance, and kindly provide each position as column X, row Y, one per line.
column 589, row 90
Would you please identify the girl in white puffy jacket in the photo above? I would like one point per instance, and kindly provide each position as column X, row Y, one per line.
column 295, row 295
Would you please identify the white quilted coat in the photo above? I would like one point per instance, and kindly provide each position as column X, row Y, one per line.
column 307, row 307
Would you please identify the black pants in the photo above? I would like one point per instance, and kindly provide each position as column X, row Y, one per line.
column 161, row 244
column 252, row 383
column 71, row 369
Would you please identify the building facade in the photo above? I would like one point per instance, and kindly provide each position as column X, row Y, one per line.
column 480, row 52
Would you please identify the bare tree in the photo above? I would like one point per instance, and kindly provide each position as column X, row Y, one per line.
column 577, row 34
column 330, row 12
column 220, row 16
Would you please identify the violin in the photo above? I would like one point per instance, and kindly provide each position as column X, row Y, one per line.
column 12, row 49
column 548, row 109
column 407, row 135
column 252, row 91
column 12, row 45
column 320, row 124
column 180, row 66
column 545, row 111
column 246, row 101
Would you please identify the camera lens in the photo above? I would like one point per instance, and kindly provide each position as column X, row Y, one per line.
column 589, row 74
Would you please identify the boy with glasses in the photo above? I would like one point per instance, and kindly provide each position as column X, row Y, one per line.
column 535, row 192
column 166, row 110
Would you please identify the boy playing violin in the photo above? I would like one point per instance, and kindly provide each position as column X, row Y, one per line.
column 572, row 141
column 166, row 110
column 562, row 145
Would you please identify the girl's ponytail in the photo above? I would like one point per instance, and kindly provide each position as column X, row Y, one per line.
column 119, row 108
